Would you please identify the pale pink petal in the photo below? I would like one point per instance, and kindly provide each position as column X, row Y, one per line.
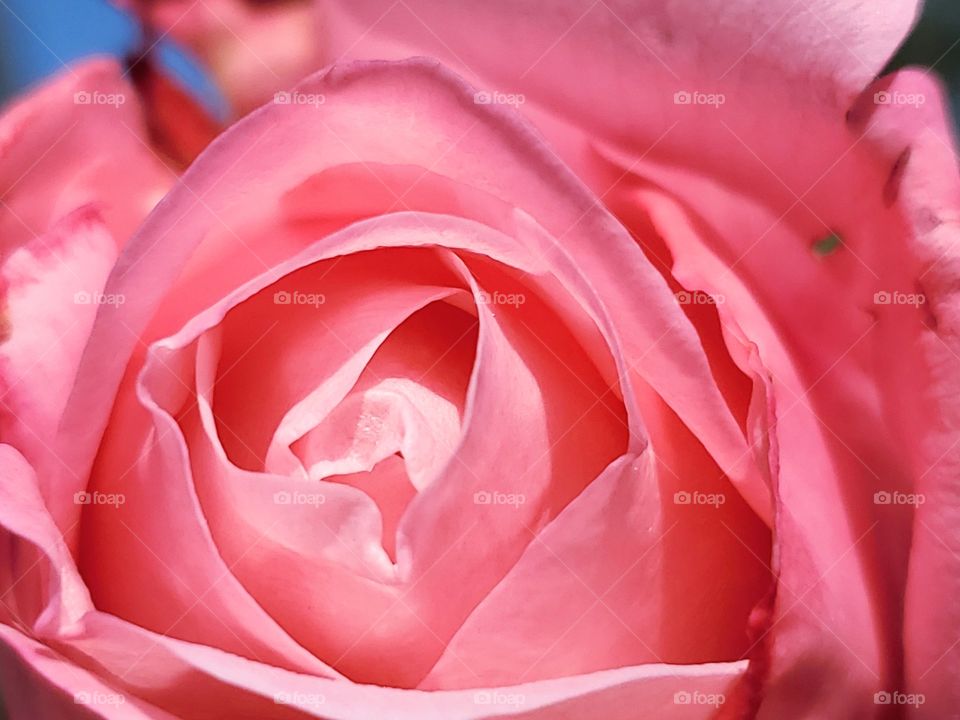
column 76, row 178
column 848, row 409
column 36, row 682
column 39, row 585
column 210, row 681
column 684, row 563
column 410, row 399
column 929, row 191
column 52, row 288
column 610, row 70
column 76, row 140
column 827, row 466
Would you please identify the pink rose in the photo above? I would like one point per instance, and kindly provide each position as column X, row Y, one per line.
column 366, row 426
column 755, row 156
column 385, row 412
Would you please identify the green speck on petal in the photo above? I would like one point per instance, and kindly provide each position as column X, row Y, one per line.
column 827, row 245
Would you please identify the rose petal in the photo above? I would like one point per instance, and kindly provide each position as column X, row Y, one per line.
column 929, row 192
column 52, row 289
column 132, row 550
column 37, row 682
column 409, row 400
column 76, row 140
column 213, row 682
column 76, row 178
column 642, row 53
column 701, row 568
column 40, row 584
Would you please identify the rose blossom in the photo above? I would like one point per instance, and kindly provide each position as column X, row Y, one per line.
column 381, row 414
column 365, row 423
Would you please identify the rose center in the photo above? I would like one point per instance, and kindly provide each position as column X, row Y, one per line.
column 396, row 429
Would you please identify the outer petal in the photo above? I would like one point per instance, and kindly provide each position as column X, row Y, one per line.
column 612, row 68
column 36, row 682
column 852, row 397
column 76, row 177
column 53, row 287
column 39, row 585
column 215, row 683
column 659, row 554
column 76, row 140
column 41, row 591
column 930, row 195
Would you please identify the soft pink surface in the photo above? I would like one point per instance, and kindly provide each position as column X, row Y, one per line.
column 850, row 397
column 335, row 501
column 76, row 177
column 76, row 140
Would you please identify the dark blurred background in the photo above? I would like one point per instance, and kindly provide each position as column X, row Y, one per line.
column 935, row 43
